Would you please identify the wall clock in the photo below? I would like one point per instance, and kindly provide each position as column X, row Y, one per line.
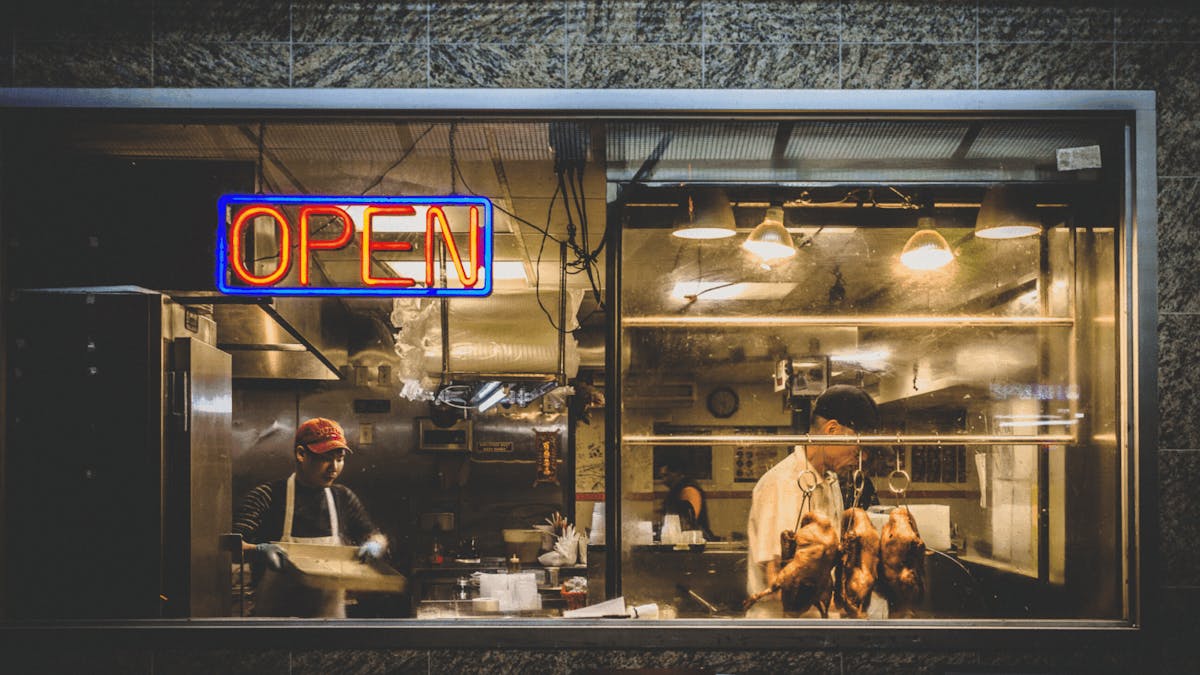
column 722, row 402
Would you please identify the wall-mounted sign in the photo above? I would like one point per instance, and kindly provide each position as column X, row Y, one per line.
column 396, row 246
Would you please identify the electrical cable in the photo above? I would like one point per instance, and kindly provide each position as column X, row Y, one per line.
column 398, row 162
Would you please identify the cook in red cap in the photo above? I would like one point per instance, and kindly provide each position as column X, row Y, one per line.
column 305, row 508
column 319, row 435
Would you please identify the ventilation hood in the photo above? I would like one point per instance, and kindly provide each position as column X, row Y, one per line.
column 279, row 338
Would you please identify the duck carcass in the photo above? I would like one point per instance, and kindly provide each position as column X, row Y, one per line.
column 859, row 563
column 807, row 579
column 901, row 563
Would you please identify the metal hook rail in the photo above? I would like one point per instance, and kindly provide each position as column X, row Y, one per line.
column 866, row 439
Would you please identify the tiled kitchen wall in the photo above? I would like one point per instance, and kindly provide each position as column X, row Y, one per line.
column 689, row 44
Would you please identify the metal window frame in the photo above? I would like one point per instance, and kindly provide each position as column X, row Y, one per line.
column 1139, row 318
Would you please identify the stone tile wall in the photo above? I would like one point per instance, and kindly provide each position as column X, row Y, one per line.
column 989, row 44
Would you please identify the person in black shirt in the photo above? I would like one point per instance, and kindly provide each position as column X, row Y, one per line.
column 685, row 498
column 306, row 507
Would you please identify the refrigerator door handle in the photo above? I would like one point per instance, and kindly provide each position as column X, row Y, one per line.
column 179, row 394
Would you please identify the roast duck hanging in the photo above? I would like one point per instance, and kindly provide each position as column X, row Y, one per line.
column 807, row 579
column 901, row 563
column 859, row 564
column 864, row 560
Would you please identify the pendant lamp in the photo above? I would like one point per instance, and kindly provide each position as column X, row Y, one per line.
column 1006, row 214
column 926, row 249
column 711, row 216
column 770, row 240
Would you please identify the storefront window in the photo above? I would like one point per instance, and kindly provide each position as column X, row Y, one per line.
column 700, row 333
column 977, row 368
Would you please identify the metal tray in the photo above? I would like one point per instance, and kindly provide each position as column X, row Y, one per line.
column 337, row 567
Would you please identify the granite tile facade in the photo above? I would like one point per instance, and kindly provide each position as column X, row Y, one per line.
column 1170, row 70
column 1178, row 388
column 638, row 66
column 908, row 66
column 909, row 21
column 1054, row 21
column 82, row 64
column 360, row 65
column 986, row 44
column 1046, row 65
column 180, row 63
column 1178, row 246
column 498, row 21
column 787, row 66
column 495, row 65
column 623, row 21
column 771, row 22
column 1179, row 511
column 340, row 22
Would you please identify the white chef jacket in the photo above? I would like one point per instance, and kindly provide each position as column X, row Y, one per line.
column 775, row 507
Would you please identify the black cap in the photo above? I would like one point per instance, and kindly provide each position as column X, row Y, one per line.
column 850, row 406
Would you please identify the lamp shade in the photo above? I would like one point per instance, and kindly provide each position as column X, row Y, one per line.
column 711, row 218
column 926, row 249
column 770, row 240
column 1006, row 214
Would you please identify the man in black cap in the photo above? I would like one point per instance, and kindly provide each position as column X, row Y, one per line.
column 841, row 410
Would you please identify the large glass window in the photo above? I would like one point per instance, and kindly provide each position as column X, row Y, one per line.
column 709, row 342
column 954, row 293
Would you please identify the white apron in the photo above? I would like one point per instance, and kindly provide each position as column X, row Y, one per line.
column 281, row 593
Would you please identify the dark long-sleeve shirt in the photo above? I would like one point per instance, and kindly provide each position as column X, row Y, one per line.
column 259, row 517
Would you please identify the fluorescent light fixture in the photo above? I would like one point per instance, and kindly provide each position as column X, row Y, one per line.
column 926, row 249
column 864, row 357
column 490, row 400
column 770, row 240
column 415, row 269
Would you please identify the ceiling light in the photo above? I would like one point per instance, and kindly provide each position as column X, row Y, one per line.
column 863, row 357
column 488, row 394
column 709, row 216
column 1004, row 214
column 490, row 400
column 926, row 249
column 770, row 240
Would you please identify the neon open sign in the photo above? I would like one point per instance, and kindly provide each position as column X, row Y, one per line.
column 400, row 246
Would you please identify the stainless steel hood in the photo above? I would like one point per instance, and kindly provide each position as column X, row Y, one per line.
column 279, row 338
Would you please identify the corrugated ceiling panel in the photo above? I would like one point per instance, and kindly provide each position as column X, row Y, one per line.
column 874, row 140
column 1028, row 140
column 636, row 141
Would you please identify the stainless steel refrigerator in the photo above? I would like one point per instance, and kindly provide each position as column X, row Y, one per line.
column 117, row 481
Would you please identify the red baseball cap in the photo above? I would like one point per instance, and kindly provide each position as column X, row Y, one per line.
column 321, row 435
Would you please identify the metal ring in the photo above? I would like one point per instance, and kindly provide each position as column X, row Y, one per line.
column 859, row 480
column 816, row 480
column 899, row 473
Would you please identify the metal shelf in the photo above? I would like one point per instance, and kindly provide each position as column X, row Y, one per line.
column 878, row 439
column 774, row 321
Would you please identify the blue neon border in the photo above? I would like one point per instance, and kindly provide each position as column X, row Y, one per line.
column 235, row 200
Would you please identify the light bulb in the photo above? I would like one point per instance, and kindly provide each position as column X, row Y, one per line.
column 770, row 240
column 926, row 250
